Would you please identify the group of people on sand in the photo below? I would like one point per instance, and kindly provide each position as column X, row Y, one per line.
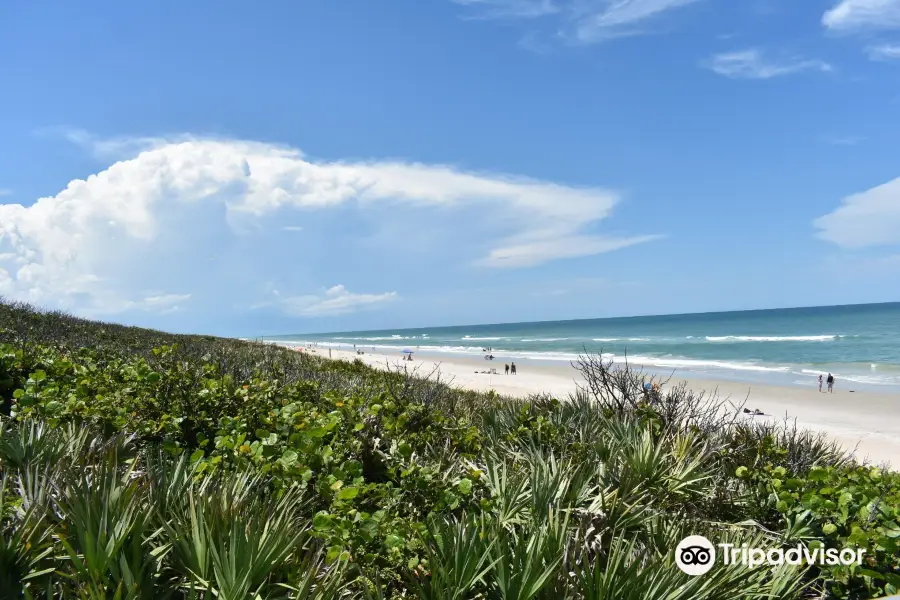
column 509, row 368
column 830, row 381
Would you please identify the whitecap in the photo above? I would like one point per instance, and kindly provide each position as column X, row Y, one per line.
column 686, row 363
column 773, row 338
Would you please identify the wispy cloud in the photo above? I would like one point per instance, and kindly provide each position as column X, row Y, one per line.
column 103, row 149
column 162, row 303
column 622, row 17
column 336, row 300
column 5, row 192
column 100, row 241
column 884, row 52
column 513, row 9
column 581, row 21
column 753, row 64
column 153, row 302
column 867, row 219
column 532, row 252
column 854, row 15
column 841, row 140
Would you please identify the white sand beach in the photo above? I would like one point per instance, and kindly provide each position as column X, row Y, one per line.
column 868, row 422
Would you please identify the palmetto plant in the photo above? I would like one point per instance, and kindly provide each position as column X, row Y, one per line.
column 118, row 524
column 147, row 528
column 459, row 556
column 228, row 539
column 528, row 559
column 25, row 544
column 104, row 527
column 36, row 442
column 140, row 464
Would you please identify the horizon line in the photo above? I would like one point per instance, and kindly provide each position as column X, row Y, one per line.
column 645, row 316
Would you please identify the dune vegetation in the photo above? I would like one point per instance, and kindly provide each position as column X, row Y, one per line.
column 139, row 464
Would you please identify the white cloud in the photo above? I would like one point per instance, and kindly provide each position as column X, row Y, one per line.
column 582, row 21
column 336, row 300
column 165, row 300
column 616, row 18
column 518, row 9
column 884, row 52
column 852, row 15
column 5, row 192
column 528, row 253
column 162, row 303
column 752, row 64
column 292, row 228
column 145, row 222
column 842, row 140
column 869, row 218
column 104, row 149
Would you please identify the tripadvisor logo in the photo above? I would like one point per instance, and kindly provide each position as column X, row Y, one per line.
column 696, row 555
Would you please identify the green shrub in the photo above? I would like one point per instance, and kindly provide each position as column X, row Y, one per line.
column 142, row 464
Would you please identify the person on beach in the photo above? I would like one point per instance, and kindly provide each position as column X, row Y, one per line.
column 512, row 368
column 830, row 381
column 506, row 367
column 820, row 382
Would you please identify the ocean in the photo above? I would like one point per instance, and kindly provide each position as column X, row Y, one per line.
column 859, row 344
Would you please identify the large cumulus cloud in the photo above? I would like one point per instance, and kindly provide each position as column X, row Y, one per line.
column 126, row 237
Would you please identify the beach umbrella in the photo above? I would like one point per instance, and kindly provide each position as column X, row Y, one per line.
column 407, row 351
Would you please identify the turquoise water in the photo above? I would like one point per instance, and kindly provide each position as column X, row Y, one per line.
column 859, row 344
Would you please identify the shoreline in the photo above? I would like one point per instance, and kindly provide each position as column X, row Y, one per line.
column 864, row 420
column 745, row 372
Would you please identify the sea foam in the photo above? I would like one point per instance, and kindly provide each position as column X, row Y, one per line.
column 772, row 338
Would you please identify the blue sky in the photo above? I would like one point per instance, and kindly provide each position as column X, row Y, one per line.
column 288, row 167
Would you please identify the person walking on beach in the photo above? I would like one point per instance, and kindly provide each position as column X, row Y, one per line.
column 507, row 368
column 830, row 381
column 820, row 382
column 512, row 368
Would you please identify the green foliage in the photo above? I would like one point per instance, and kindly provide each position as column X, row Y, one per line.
column 838, row 507
column 138, row 464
